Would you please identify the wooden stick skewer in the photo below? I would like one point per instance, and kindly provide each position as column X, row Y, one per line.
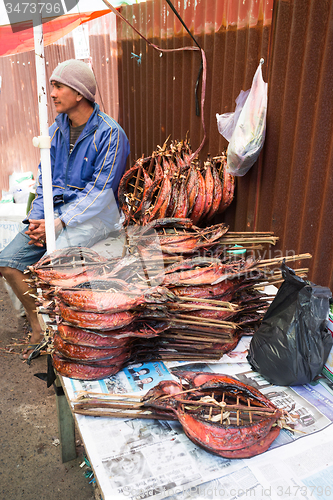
column 228, row 305
column 287, row 258
column 211, row 322
column 193, row 307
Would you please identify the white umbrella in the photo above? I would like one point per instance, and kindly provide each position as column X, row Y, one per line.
column 30, row 25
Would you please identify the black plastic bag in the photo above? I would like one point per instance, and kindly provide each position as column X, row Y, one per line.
column 292, row 343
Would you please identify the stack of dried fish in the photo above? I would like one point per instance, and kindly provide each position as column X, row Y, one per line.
column 94, row 318
column 168, row 184
column 112, row 312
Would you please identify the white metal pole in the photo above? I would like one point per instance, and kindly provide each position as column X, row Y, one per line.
column 44, row 140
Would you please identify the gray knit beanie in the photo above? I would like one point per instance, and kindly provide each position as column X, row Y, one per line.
column 77, row 75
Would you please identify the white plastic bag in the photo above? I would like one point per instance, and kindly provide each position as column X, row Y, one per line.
column 226, row 123
column 245, row 128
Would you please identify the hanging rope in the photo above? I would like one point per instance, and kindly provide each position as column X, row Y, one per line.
column 203, row 66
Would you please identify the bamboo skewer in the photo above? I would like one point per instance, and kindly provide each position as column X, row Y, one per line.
column 212, row 322
column 192, row 307
column 228, row 305
column 287, row 258
column 262, row 233
column 242, row 241
column 142, row 409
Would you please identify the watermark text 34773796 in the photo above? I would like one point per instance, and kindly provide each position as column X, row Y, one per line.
column 20, row 12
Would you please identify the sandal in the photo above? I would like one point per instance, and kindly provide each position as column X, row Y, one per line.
column 36, row 349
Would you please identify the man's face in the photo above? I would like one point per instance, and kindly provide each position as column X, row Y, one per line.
column 64, row 98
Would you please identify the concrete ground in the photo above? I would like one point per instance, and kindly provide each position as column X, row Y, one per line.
column 30, row 462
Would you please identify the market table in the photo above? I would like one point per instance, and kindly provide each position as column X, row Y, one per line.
column 140, row 458
column 134, row 458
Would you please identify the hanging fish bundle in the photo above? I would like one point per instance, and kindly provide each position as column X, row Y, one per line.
column 169, row 184
column 217, row 412
column 195, row 309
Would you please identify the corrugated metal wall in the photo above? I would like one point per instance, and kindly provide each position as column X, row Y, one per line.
column 18, row 117
column 157, row 96
column 294, row 195
column 18, row 96
column 288, row 190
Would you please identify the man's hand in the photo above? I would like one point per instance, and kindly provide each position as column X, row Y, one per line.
column 58, row 226
column 36, row 231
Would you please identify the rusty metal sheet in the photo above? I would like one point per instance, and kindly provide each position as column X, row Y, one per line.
column 294, row 194
column 19, row 117
column 288, row 190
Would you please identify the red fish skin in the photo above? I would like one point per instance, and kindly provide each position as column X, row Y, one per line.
column 69, row 281
column 161, row 213
column 208, row 291
column 192, row 263
column 109, row 362
column 199, row 204
column 147, row 199
column 228, row 191
column 50, row 274
column 207, row 380
column 85, row 353
column 216, row 437
column 209, row 189
column 173, row 172
column 178, row 239
column 99, row 301
column 195, row 276
column 181, row 164
column 173, row 199
column 79, row 371
column 192, row 188
column 230, row 195
column 256, row 448
column 95, row 321
column 163, row 195
column 147, row 184
column 185, row 246
column 210, row 274
column 167, row 222
column 207, row 314
column 66, row 255
column 212, row 235
column 217, row 195
column 182, row 202
column 74, row 335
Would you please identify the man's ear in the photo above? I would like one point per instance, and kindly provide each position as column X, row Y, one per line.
column 79, row 97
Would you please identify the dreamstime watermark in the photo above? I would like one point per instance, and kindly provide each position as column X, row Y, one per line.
column 20, row 12
column 211, row 492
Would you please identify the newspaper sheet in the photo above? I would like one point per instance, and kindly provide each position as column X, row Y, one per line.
column 136, row 459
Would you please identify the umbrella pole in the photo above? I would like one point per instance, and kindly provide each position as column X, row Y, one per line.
column 44, row 140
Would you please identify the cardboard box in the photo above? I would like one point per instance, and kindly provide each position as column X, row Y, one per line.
column 11, row 217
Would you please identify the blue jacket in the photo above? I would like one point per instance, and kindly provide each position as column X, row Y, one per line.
column 85, row 182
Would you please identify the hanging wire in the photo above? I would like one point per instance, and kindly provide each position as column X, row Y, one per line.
column 197, row 107
column 159, row 49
